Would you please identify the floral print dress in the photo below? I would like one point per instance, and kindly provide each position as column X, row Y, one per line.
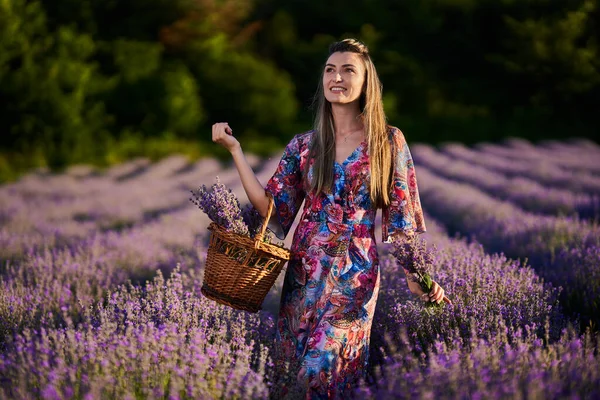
column 332, row 279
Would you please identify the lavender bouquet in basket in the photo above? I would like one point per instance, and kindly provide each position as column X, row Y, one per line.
column 417, row 261
column 223, row 208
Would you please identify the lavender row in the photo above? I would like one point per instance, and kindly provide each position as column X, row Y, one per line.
column 488, row 291
column 580, row 158
column 164, row 341
column 546, row 173
column 159, row 341
column 510, row 365
column 565, row 251
column 504, row 336
column 109, row 327
column 524, row 192
column 575, row 146
column 55, row 263
column 35, row 290
column 38, row 212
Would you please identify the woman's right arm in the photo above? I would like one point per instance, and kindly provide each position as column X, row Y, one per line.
column 223, row 135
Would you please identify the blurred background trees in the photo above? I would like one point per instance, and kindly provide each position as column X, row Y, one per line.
column 86, row 81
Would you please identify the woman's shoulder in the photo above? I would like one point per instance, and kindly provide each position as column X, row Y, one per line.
column 396, row 135
column 301, row 140
column 304, row 137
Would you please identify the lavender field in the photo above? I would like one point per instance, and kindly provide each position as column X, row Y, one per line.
column 101, row 271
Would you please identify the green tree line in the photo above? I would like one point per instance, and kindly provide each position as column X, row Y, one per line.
column 85, row 81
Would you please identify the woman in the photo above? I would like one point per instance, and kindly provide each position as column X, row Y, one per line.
column 349, row 165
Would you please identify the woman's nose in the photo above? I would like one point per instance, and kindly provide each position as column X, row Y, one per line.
column 338, row 77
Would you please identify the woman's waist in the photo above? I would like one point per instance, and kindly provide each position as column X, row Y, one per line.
column 344, row 219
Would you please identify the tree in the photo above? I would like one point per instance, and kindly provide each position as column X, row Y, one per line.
column 48, row 83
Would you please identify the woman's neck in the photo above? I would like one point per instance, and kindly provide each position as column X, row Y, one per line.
column 346, row 117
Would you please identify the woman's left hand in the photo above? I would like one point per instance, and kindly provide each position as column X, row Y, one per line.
column 436, row 295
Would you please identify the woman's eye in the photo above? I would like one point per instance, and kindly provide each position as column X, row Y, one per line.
column 329, row 69
column 350, row 70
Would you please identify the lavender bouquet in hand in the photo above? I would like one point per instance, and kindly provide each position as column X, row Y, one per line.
column 223, row 208
column 417, row 261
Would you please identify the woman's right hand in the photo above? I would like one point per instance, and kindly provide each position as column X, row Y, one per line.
column 223, row 135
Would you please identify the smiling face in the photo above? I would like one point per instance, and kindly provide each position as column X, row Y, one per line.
column 343, row 78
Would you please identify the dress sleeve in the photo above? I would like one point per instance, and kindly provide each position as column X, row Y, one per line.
column 404, row 213
column 287, row 189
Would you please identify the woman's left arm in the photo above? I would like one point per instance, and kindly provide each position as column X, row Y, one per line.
column 403, row 215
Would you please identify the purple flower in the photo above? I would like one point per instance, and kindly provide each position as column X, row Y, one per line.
column 222, row 207
column 252, row 219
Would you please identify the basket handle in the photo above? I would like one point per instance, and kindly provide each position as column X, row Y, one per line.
column 258, row 238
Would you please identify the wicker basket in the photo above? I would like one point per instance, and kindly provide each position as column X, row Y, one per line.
column 240, row 270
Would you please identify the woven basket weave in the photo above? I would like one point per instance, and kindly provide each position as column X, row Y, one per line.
column 239, row 270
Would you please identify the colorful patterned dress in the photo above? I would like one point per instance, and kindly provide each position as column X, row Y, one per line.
column 332, row 279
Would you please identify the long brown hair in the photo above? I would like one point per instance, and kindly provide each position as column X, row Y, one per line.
column 322, row 149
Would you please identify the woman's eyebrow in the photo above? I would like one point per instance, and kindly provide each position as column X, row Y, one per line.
column 345, row 65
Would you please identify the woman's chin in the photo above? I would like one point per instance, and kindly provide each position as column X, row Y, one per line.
column 339, row 100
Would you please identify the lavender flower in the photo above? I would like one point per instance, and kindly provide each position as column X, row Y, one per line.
column 222, row 207
column 156, row 341
column 252, row 219
column 512, row 364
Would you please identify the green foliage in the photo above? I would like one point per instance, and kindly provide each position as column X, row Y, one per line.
column 182, row 105
column 136, row 60
column 47, row 84
column 458, row 70
column 242, row 89
column 133, row 145
column 556, row 50
column 152, row 95
column 91, row 82
column 79, row 79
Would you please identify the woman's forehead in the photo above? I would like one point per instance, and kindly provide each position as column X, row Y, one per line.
column 343, row 58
